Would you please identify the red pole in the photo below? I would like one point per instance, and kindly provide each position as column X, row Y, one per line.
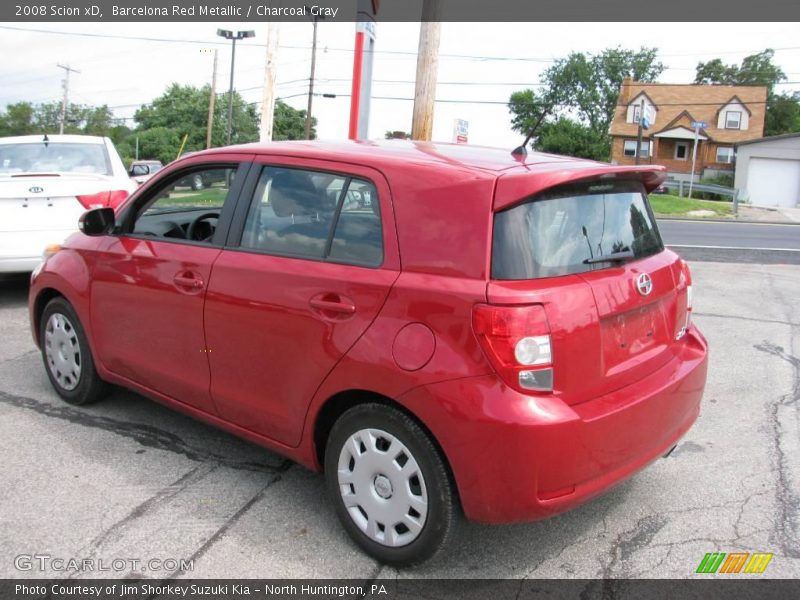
column 355, row 95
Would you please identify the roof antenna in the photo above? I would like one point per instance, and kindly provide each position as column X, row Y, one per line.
column 523, row 150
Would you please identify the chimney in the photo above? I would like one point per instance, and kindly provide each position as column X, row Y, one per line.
column 625, row 91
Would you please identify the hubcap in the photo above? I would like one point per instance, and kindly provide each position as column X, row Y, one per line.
column 62, row 351
column 382, row 487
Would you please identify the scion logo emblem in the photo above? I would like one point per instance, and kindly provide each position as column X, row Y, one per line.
column 644, row 284
column 35, row 189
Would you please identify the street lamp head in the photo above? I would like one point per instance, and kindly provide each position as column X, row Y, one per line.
column 245, row 34
column 226, row 33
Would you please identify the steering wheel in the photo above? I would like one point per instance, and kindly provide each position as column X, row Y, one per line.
column 192, row 229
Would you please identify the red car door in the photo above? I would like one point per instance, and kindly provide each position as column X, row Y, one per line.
column 149, row 283
column 307, row 269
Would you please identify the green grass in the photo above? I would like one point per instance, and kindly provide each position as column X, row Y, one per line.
column 666, row 204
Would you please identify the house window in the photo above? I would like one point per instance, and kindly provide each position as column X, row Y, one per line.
column 725, row 155
column 681, row 151
column 733, row 119
column 637, row 114
column 629, row 148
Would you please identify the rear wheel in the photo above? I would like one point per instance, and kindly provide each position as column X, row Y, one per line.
column 389, row 484
column 66, row 355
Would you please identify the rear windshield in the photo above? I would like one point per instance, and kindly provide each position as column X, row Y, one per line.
column 54, row 157
column 554, row 233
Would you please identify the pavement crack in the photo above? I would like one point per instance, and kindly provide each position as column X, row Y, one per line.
column 145, row 435
column 276, row 477
column 741, row 318
column 164, row 495
column 629, row 542
column 786, row 529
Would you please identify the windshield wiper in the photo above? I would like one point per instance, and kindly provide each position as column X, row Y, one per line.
column 613, row 257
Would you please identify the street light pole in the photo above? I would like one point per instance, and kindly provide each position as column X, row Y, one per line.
column 230, row 35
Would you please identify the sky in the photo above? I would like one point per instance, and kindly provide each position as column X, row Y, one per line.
column 479, row 62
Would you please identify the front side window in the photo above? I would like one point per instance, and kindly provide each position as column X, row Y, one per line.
column 566, row 231
column 733, row 119
column 188, row 208
column 316, row 215
column 725, row 154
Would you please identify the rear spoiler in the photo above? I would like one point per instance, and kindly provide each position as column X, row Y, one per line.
column 521, row 183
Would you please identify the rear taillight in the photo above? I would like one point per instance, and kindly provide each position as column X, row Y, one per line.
column 516, row 340
column 111, row 199
column 684, row 321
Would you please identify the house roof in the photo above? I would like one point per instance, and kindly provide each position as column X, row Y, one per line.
column 701, row 101
column 772, row 138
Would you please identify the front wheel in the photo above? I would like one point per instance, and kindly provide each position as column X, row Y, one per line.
column 66, row 355
column 389, row 484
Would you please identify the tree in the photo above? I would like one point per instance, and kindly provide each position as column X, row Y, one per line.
column 756, row 69
column 571, row 138
column 183, row 109
column 783, row 114
column 289, row 123
column 580, row 90
column 24, row 118
column 783, row 110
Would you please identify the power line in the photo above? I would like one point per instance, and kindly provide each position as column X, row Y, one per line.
column 334, row 49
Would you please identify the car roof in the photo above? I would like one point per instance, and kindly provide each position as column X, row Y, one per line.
column 392, row 152
column 39, row 137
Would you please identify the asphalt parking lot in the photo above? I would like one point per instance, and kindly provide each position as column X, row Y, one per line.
column 129, row 479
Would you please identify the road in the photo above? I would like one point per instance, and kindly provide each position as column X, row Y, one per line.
column 130, row 479
column 763, row 243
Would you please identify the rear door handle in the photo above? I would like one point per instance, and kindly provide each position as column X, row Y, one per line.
column 328, row 304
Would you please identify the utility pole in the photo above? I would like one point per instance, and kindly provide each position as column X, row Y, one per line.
column 268, row 99
column 639, row 137
column 65, row 101
column 212, row 100
column 427, row 67
column 314, row 21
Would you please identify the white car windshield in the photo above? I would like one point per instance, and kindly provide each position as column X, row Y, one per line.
column 54, row 157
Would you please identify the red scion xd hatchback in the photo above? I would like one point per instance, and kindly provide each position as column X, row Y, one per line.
column 438, row 328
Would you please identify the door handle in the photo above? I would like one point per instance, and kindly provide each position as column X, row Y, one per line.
column 332, row 303
column 188, row 281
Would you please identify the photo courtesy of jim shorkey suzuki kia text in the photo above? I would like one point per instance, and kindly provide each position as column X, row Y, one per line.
column 191, row 590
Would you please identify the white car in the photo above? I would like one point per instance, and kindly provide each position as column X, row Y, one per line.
column 46, row 183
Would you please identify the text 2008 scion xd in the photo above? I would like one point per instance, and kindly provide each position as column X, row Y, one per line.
column 440, row 329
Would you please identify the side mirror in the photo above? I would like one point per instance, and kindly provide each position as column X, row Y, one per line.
column 98, row 221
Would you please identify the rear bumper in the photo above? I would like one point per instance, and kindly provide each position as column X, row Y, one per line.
column 21, row 251
column 520, row 458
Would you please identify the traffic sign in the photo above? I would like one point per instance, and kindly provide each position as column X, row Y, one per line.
column 699, row 124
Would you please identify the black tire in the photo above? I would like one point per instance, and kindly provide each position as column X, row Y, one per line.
column 90, row 388
column 442, row 511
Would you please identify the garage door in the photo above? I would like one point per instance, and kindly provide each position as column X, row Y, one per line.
column 774, row 182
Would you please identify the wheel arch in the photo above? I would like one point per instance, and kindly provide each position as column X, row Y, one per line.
column 43, row 297
column 335, row 406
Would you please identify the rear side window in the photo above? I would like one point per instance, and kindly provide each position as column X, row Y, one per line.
column 316, row 215
column 557, row 232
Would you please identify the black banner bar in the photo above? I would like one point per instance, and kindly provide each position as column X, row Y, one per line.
column 714, row 587
column 681, row 11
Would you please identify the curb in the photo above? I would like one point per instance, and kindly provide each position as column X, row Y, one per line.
column 714, row 220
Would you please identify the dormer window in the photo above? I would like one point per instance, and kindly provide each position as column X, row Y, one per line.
column 733, row 119
column 637, row 114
